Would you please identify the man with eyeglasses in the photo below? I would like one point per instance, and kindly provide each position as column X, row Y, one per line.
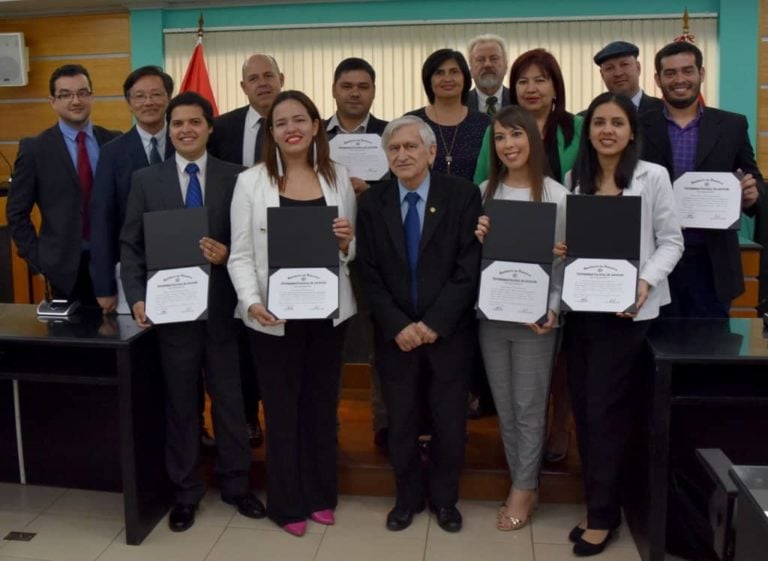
column 54, row 171
column 147, row 92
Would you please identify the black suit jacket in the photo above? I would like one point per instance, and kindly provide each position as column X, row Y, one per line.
column 473, row 102
column 449, row 257
column 118, row 160
column 226, row 142
column 723, row 146
column 649, row 103
column 375, row 126
column 157, row 188
column 44, row 175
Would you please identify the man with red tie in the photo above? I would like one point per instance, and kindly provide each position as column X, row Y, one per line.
column 54, row 171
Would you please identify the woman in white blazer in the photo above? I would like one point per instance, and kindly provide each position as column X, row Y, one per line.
column 298, row 361
column 607, row 356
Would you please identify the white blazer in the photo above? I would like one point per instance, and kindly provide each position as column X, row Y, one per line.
column 248, row 266
column 661, row 240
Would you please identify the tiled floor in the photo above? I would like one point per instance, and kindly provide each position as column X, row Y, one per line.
column 75, row 525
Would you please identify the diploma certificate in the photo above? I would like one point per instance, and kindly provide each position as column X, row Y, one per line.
column 176, row 295
column 303, row 293
column 517, row 292
column 708, row 200
column 361, row 154
column 600, row 285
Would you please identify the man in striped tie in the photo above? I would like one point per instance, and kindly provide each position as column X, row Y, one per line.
column 192, row 178
column 147, row 92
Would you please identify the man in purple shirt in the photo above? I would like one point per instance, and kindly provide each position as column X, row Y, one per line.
column 687, row 136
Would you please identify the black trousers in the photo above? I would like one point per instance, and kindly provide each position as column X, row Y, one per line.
column 435, row 376
column 186, row 349
column 607, row 361
column 83, row 288
column 299, row 377
column 248, row 378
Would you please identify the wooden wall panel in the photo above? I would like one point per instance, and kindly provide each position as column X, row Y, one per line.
column 9, row 151
column 25, row 119
column 83, row 34
column 107, row 76
column 101, row 43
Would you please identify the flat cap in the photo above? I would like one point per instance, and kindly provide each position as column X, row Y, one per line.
column 615, row 49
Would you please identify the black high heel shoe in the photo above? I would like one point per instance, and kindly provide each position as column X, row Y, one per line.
column 584, row 548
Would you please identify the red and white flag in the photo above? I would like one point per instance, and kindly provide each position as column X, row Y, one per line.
column 196, row 77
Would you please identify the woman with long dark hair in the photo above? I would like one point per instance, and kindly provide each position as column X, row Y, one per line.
column 606, row 352
column 299, row 361
column 459, row 130
column 518, row 357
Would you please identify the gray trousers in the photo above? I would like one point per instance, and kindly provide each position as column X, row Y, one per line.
column 518, row 363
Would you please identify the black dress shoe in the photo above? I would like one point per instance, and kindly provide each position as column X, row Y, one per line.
column 400, row 518
column 255, row 434
column 448, row 518
column 575, row 534
column 248, row 505
column 584, row 548
column 182, row 517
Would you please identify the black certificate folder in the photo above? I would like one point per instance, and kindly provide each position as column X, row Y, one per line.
column 177, row 271
column 303, row 256
column 517, row 261
column 603, row 239
column 172, row 237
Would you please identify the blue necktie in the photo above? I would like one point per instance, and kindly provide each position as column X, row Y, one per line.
column 194, row 191
column 412, row 229
column 154, row 153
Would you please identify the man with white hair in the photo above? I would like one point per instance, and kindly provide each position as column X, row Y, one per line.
column 488, row 65
column 419, row 262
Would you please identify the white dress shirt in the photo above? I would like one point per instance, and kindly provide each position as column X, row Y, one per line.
column 181, row 165
column 250, row 132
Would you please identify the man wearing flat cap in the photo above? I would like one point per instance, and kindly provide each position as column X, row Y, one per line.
column 620, row 71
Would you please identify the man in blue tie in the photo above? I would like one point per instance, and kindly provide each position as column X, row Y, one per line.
column 419, row 262
column 192, row 178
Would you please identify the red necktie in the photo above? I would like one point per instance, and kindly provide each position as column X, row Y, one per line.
column 85, row 175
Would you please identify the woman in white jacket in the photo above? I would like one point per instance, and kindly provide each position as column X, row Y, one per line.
column 298, row 361
column 606, row 352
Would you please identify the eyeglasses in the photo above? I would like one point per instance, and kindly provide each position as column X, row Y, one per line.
column 153, row 97
column 69, row 96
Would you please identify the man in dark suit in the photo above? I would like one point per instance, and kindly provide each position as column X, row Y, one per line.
column 54, row 171
column 687, row 136
column 238, row 134
column 147, row 91
column 186, row 348
column 354, row 89
column 488, row 65
column 620, row 71
column 419, row 262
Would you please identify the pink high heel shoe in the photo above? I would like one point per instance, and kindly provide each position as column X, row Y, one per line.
column 297, row 529
column 324, row 516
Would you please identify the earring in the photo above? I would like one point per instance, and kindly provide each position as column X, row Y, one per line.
column 280, row 172
column 314, row 153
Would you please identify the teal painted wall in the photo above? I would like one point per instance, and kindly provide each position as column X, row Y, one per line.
column 738, row 27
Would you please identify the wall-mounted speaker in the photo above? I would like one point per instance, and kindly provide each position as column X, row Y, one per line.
column 14, row 67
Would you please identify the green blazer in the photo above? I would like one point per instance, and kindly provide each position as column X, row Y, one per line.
column 567, row 154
